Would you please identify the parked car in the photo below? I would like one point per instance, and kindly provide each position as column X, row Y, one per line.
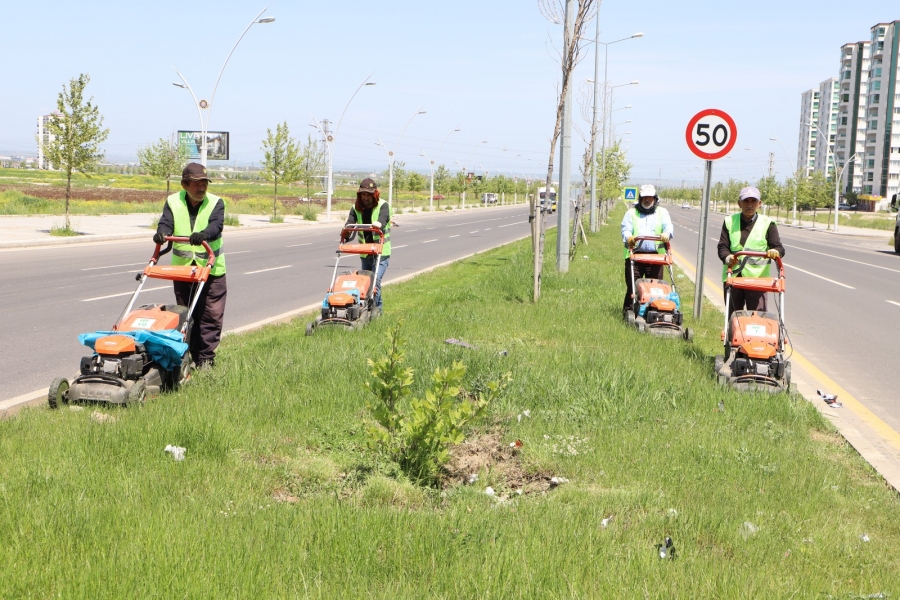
column 685, row 205
column 320, row 194
column 437, row 197
column 489, row 198
column 845, row 206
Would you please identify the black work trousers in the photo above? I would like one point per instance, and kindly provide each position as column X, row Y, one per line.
column 208, row 316
column 746, row 298
column 639, row 270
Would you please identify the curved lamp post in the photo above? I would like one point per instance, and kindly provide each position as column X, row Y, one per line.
column 207, row 106
column 774, row 138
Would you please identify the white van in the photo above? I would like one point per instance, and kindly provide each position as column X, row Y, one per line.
column 547, row 204
column 489, row 198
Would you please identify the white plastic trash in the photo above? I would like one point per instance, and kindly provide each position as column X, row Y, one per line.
column 177, row 452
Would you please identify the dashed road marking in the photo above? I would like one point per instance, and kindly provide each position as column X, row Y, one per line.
column 270, row 269
column 165, row 287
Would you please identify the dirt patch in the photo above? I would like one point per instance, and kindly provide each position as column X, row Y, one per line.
column 283, row 495
column 835, row 439
column 487, row 453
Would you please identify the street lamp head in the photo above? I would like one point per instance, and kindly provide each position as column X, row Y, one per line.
column 421, row 112
column 634, row 83
column 457, row 130
column 266, row 20
column 371, row 83
column 639, row 34
column 628, row 106
column 181, row 85
column 773, row 138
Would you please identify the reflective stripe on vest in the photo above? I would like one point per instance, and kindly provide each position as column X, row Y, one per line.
column 756, row 242
column 634, row 230
column 185, row 254
column 385, row 227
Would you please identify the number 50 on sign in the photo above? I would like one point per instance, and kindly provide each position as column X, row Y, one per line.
column 711, row 134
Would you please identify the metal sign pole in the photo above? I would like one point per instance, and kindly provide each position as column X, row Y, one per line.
column 701, row 246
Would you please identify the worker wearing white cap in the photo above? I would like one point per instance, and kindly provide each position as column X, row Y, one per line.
column 749, row 230
column 646, row 218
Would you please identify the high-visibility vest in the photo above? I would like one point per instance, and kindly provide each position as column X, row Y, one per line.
column 658, row 227
column 756, row 242
column 185, row 254
column 385, row 227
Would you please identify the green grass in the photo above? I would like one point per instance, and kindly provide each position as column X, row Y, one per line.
column 276, row 219
column 311, row 213
column 232, row 220
column 63, row 231
column 279, row 497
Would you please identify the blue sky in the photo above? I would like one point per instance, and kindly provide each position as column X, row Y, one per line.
column 485, row 66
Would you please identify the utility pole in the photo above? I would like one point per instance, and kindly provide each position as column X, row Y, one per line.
column 565, row 158
column 771, row 164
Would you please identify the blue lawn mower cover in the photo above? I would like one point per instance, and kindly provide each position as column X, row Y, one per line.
column 164, row 347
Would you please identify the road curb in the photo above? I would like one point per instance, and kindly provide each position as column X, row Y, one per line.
column 872, row 438
column 12, row 406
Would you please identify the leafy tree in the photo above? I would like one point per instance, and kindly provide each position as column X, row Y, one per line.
column 442, row 180
column 771, row 193
column 311, row 164
column 609, row 182
column 163, row 159
column 76, row 132
column 280, row 159
column 400, row 175
column 415, row 182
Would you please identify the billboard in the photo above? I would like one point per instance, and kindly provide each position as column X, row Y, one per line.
column 216, row 144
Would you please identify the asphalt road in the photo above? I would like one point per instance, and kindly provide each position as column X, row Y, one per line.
column 51, row 294
column 842, row 304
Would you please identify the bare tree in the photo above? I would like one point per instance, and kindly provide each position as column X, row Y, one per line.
column 571, row 53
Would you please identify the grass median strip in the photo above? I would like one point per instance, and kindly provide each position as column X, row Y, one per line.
column 279, row 496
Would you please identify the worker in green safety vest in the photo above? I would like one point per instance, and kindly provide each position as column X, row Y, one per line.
column 645, row 219
column 370, row 209
column 200, row 216
column 748, row 230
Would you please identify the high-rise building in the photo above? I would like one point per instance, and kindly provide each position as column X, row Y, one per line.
column 43, row 139
column 881, row 168
column 826, row 132
column 806, row 149
column 851, row 129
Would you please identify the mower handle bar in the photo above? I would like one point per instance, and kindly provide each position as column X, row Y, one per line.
column 210, row 255
column 754, row 254
column 651, row 238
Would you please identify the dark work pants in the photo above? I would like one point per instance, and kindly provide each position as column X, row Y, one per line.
column 752, row 300
column 368, row 264
column 640, row 270
column 208, row 316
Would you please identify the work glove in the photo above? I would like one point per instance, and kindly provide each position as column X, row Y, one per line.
column 159, row 238
column 664, row 237
column 731, row 260
column 772, row 254
column 630, row 242
column 197, row 238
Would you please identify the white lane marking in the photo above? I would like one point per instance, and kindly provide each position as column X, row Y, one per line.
column 295, row 245
column 238, row 252
column 473, row 222
column 453, row 236
column 411, row 230
column 114, row 273
column 842, row 258
column 403, row 246
column 849, row 287
column 511, row 224
column 116, row 266
column 892, row 302
column 272, row 269
column 432, row 228
column 476, row 231
column 428, row 241
column 165, row 287
column 487, row 228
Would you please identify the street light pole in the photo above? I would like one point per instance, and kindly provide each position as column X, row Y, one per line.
column 610, row 110
column 796, row 171
column 761, row 167
column 465, row 184
column 391, row 155
column 329, row 139
column 431, row 196
column 203, row 104
column 594, row 209
column 837, row 189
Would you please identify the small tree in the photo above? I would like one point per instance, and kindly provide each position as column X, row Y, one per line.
column 414, row 183
column 76, row 132
column 163, row 159
column 311, row 165
column 280, row 159
column 617, row 171
column 442, row 180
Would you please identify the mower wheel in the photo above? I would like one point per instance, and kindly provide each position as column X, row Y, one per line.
column 688, row 334
column 137, row 394
column 182, row 373
column 630, row 317
column 641, row 326
column 719, row 364
column 787, row 375
column 58, row 393
column 310, row 328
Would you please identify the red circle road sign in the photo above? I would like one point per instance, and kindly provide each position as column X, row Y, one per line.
column 711, row 134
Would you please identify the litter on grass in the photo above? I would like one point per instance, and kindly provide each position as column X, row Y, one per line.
column 605, row 522
column 473, row 478
column 554, row 481
column 456, row 342
column 525, row 413
column 748, row 530
column 177, row 452
column 666, row 549
column 864, row 537
column 489, row 491
column 829, row 399
column 516, row 444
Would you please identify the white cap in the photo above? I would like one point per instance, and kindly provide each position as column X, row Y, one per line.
column 647, row 190
column 750, row 192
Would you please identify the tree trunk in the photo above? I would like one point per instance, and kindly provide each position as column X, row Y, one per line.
column 275, row 202
column 168, row 177
column 68, row 194
column 814, row 216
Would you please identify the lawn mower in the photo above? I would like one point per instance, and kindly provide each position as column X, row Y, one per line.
column 350, row 299
column 655, row 303
column 146, row 351
column 754, row 340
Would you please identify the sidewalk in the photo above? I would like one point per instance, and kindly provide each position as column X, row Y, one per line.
column 843, row 230
column 28, row 231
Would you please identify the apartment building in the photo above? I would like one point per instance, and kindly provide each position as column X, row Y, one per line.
column 881, row 168
column 826, row 132
column 43, row 139
column 851, row 129
column 809, row 113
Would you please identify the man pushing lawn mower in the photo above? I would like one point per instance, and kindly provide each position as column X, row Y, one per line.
column 370, row 209
column 645, row 220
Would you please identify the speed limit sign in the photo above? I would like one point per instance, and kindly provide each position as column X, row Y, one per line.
column 711, row 134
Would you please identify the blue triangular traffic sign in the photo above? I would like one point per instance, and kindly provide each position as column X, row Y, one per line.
column 631, row 193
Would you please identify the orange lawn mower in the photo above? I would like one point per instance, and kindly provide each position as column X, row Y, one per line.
column 754, row 341
column 147, row 349
column 655, row 303
column 350, row 299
